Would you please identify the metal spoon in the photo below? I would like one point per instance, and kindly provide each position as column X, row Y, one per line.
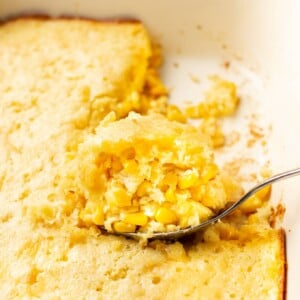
column 192, row 229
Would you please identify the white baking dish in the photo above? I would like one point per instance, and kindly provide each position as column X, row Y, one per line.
column 260, row 39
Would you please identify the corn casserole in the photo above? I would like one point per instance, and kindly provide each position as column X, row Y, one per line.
column 88, row 140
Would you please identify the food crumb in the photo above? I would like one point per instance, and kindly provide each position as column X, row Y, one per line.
column 235, row 166
column 194, row 78
column 251, row 142
column 255, row 130
column 232, row 138
column 277, row 213
column 226, row 65
column 176, row 65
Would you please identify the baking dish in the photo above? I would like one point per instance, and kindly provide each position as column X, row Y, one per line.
column 257, row 39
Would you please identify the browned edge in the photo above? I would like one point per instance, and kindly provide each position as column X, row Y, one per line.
column 283, row 256
column 43, row 16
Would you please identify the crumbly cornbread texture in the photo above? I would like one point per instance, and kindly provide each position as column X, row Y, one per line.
column 147, row 173
column 59, row 79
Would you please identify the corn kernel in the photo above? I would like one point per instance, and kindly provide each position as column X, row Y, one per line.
column 264, row 193
column 131, row 166
column 122, row 198
column 98, row 216
column 184, row 222
column 143, row 189
column 192, row 111
column 188, row 179
column 175, row 114
column 166, row 216
column 170, row 195
column 198, row 192
column 209, row 172
column 253, row 219
column 116, row 165
column 251, row 205
column 120, row 226
column 118, row 196
column 170, row 179
column 136, row 219
column 128, row 153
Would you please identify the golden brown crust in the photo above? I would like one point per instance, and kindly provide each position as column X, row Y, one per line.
column 282, row 241
column 285, row 265
column 42, row 16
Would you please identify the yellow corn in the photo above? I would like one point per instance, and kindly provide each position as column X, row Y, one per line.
column 143, row 188
column 98, row 217
column 197, row 193
column 209, row 172
column 251, row 205
column 128, row 153
column 188, row 179
column 170, row 195
column 175, row 114
column 253, row 219
column 136, row 219
column 264, row 193
column 120, row 226
column 192, row 111
column 165, row 216
column 131, row 166
column 170, row 179
column 116, row 165
column 118, row 196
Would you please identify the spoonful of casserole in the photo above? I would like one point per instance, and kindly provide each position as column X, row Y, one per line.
column 145, row 176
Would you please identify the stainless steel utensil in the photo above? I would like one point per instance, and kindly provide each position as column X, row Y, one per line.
column 192, row 229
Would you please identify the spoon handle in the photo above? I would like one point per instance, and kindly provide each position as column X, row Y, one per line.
column 270, row 180
column 186, row 231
